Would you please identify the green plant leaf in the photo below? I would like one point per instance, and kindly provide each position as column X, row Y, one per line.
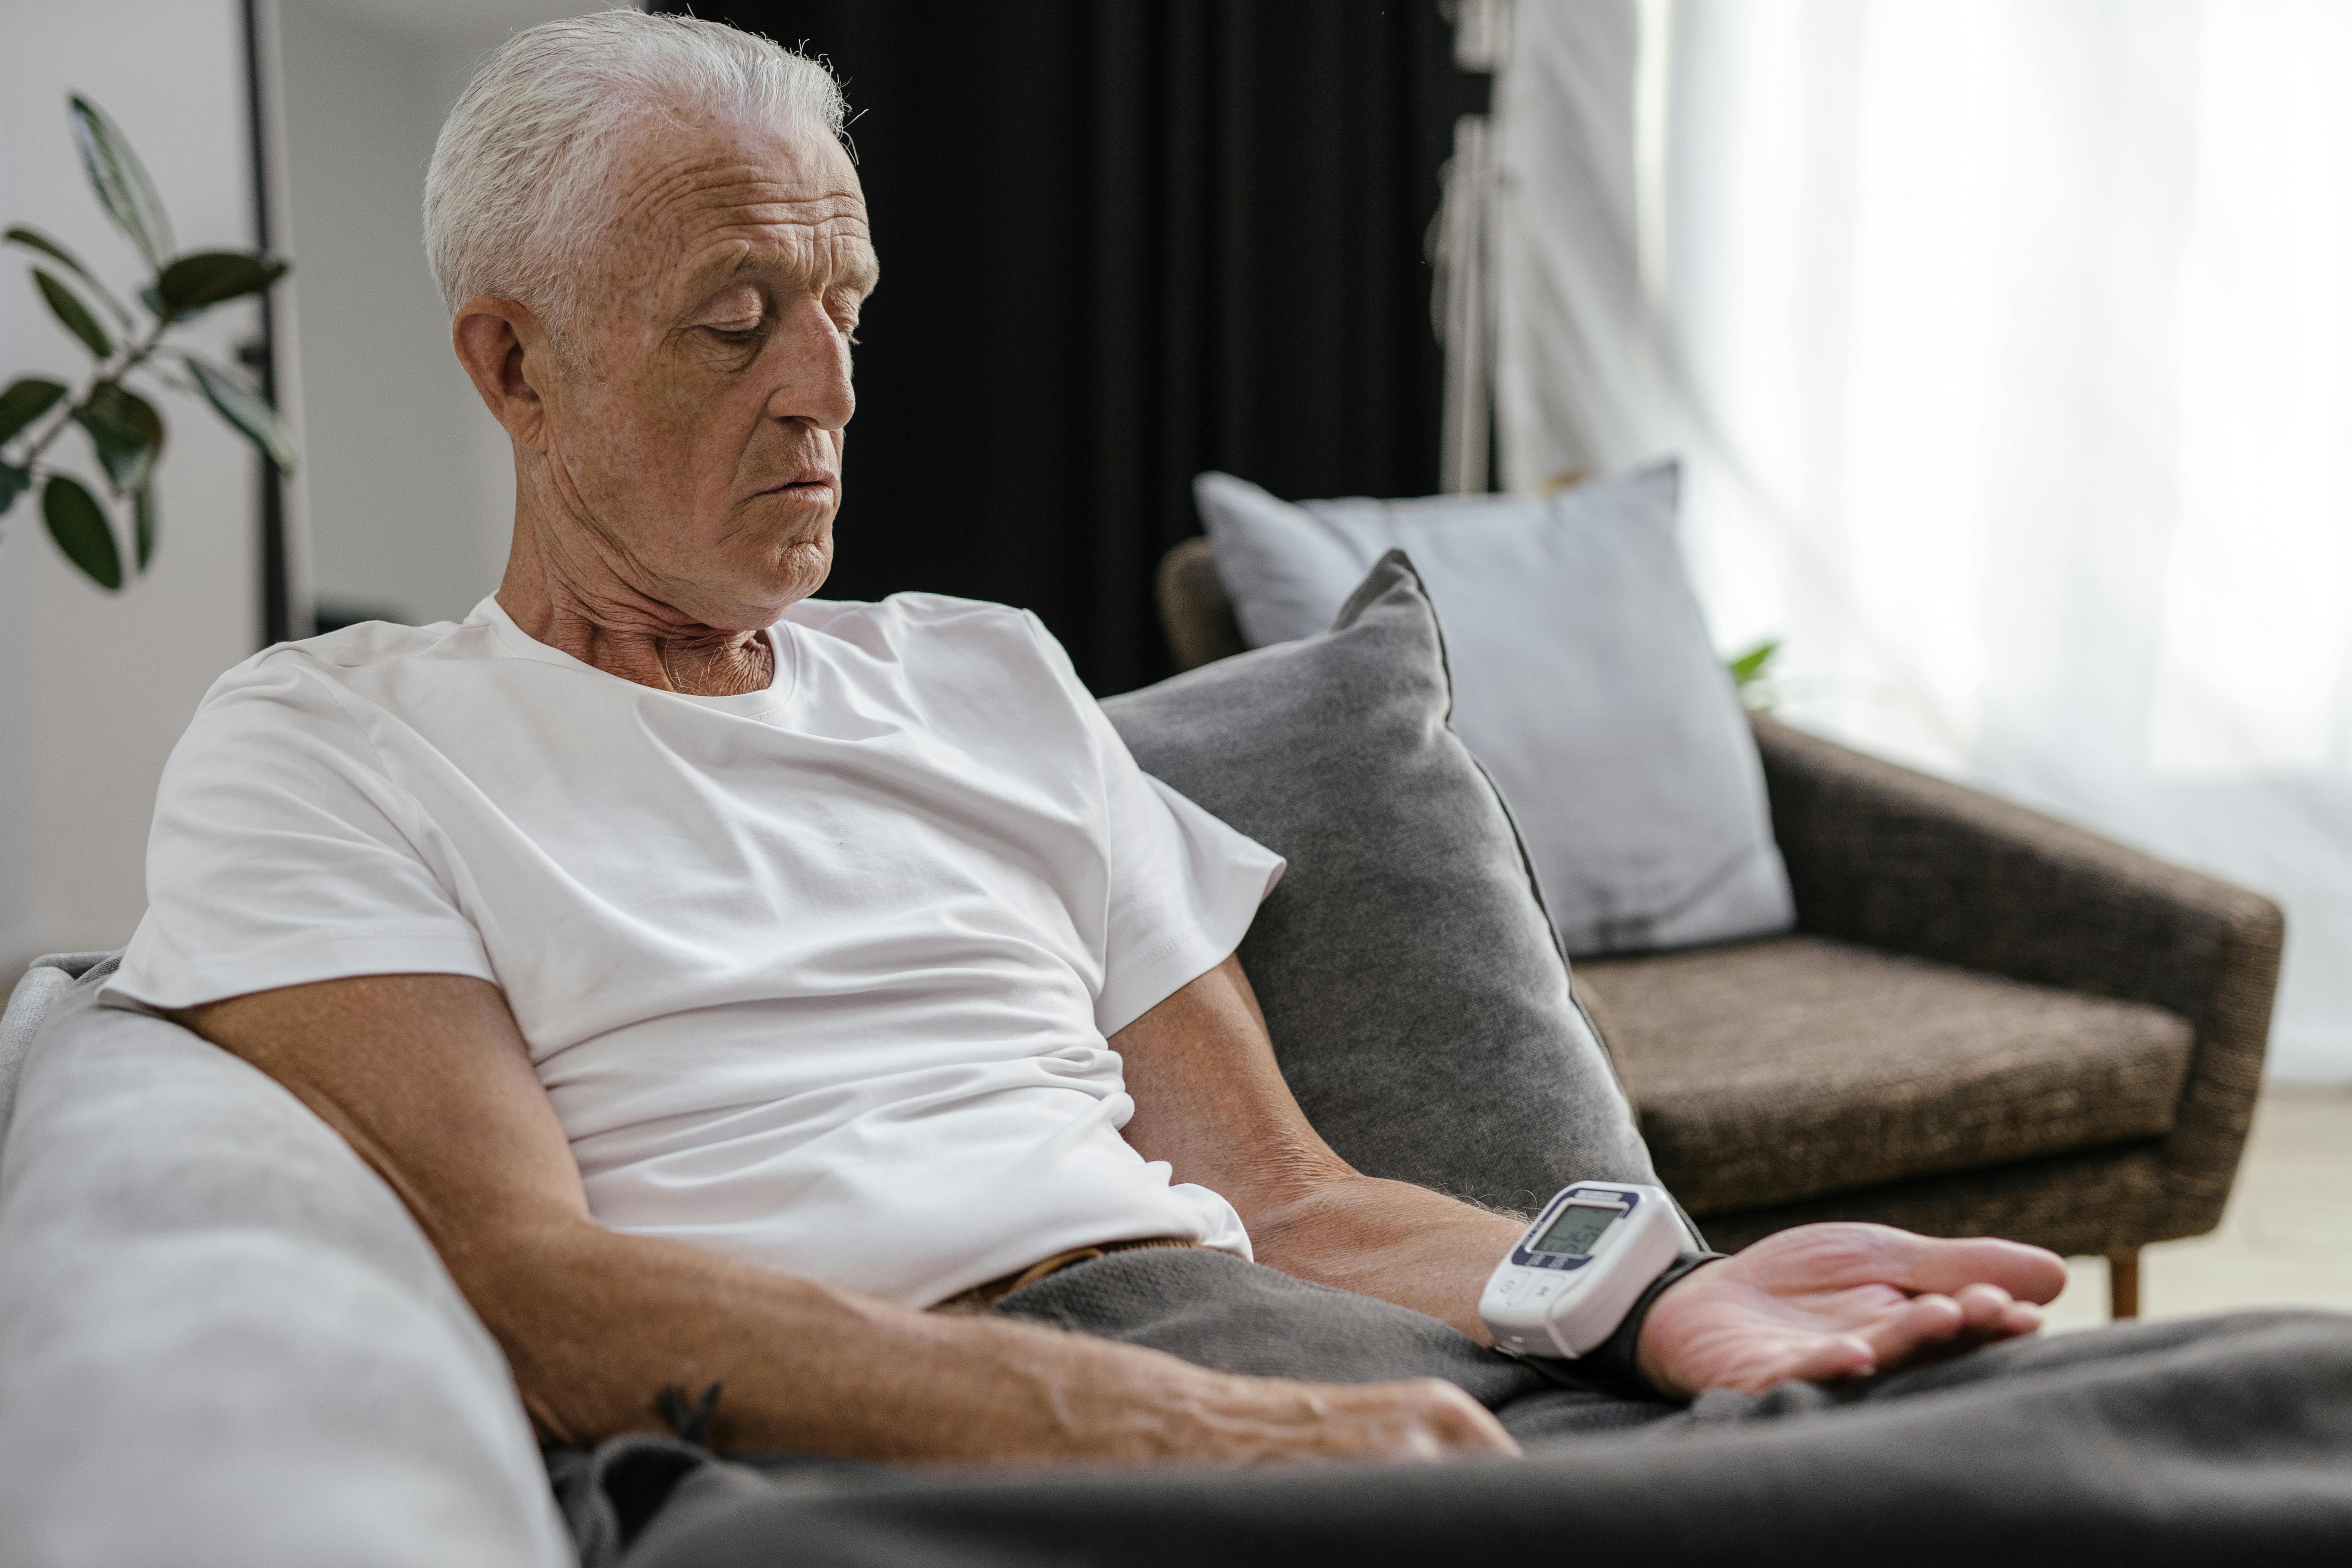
column 120, row 181
column 1753, row 666
column 127, row 433
column 143, row 522
column 243, row 407
column 66, row 306
column 28, row 398
column 13, row 481
column 33, row 239
column 81, row 531
column 209, row 277
column 186, row 385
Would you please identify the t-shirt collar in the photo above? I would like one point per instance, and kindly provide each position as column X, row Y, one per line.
column 514, row 640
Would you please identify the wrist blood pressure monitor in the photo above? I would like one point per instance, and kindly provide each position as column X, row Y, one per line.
column 1579, row 1267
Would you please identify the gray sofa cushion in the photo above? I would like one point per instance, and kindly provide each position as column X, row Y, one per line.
column 1417, row 996
column 46, row 982
column 222, row 1339
column 1583, row 679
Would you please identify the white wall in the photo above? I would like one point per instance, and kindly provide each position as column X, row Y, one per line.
column 410, row 487
column 95, row 687
column 406, row 485
column 411, row 483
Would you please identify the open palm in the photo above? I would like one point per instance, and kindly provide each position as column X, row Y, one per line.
column 1825, row 1301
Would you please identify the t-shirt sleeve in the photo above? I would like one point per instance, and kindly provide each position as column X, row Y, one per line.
column 1183, row 889
column 283, row 852
column 1184, row 886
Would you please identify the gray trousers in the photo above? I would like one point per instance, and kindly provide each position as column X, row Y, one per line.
column 2205, row 1441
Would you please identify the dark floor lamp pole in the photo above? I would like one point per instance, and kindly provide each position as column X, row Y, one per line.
column 261, row 354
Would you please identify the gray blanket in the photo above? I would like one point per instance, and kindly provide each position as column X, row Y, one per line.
column 2204, row 1441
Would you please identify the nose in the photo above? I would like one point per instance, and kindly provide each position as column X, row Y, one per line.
column 812, row 377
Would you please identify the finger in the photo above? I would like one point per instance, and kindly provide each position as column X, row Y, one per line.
column 2016, row 1320
column 1421, row 1421
column 2021, row 1318
column 1925, row 1264
column 1466, row 1439
column 1459, row 1423
column 1982, row 1306
column 1835, row 1357
column 1922, row 1321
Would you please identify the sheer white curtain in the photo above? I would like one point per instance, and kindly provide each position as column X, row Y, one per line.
column 2009, row 343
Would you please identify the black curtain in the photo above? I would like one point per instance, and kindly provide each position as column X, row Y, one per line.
column 1123, row 241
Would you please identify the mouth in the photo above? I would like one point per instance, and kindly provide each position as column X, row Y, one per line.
column 808, row 484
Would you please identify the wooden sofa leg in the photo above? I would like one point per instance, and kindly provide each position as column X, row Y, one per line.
column 2123, row 1285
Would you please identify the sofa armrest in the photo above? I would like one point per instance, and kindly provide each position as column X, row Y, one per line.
column 1890, row 858
column 1194, row 611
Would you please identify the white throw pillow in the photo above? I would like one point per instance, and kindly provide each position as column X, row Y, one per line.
column 1583, row 679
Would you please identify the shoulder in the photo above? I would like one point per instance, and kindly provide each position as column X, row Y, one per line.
column 342, row 657
column 982, row 671
column 367, row 644
column 909, row 628
column 294, row 694
column 935, row 615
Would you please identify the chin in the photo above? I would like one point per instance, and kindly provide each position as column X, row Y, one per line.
column 774, row 584
column 804, row 567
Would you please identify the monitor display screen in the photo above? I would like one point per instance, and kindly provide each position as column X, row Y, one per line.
column 1578, row 1227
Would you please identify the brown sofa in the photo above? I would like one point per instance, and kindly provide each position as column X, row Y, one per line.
column 1987, row 1022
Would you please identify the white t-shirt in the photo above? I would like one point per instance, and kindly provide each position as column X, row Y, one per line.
column 818, row 977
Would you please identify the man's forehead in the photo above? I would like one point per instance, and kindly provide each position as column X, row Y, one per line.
column 712, row 198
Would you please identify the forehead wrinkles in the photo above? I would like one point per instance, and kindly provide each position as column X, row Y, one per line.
column 703, row 210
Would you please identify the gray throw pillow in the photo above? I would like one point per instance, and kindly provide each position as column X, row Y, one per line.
column 1584, row 679
column 222, row 1340
column 1419, row 1002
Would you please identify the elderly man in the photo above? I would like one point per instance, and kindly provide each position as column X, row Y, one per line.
column 747, row 990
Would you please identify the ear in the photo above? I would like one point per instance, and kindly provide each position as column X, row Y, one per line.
column 506, row 352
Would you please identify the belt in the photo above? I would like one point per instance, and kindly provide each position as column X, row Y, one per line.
column 981, row 1297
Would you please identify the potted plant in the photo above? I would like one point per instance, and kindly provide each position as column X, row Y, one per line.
column 129, row 357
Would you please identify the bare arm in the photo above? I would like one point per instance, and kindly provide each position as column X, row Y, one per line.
column 1818, row 1301
column 1211, row 1101
column 428, row 1079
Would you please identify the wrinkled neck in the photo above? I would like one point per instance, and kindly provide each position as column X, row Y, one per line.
column 569, row 586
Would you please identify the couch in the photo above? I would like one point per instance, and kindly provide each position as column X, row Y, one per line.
column 1986, row 1022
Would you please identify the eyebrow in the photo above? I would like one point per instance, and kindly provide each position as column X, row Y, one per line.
column 861, row 270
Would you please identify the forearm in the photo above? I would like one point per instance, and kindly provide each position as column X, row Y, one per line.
column 1388, row 1240
column 595, row 1324
column 429, row 1080
column 1434, row 1254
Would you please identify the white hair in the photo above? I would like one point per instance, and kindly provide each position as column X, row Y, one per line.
column 521, row 178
